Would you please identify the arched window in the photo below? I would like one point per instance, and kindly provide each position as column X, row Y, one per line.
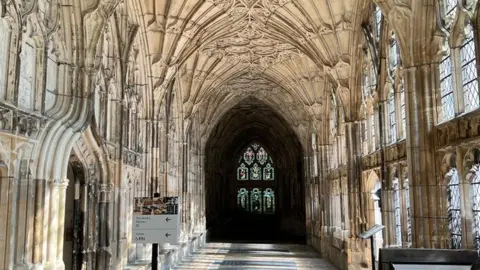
column 372, row 132
column 469, row 71
column 256, row 170
column 475, row 197
column 446, row 89
column 403, row 115
column 453, row 208
column 392, row 129
column 406, row 187
column 398, row 213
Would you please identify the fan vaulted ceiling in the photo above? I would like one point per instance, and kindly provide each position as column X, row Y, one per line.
column 279, row 51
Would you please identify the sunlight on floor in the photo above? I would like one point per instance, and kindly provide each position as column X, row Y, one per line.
column 255, row 256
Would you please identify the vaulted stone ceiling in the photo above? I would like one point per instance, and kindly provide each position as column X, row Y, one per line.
column 280, row 51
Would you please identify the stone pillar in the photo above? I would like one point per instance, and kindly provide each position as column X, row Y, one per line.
column 62, row 190
column 419, row 90
column 53, row 224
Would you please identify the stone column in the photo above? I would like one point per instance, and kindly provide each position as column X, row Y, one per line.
column 53, row 223
column 419, row 89
column 62, row 190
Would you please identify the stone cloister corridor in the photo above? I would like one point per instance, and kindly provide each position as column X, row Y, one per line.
column 282, row 130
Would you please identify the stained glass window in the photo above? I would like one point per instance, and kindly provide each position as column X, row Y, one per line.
column 469, row 71
column 398, row 213
column 268, row 201
column 406, row 187
column 446, row 89
column 256, row 201
column 453, row 207
column 255, row 165
column 392, row 134
column 475, row 199
column 242, row 199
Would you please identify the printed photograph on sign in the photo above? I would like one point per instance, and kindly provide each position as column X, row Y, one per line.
column 156, row 206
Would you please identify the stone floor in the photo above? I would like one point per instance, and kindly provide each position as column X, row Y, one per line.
column 255, row 256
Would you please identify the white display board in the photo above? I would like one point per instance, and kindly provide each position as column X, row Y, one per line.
column 156, row 220
column 398, row 266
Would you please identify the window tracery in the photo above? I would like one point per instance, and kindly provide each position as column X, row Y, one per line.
column 475, row 202
column 453, row 208
column 392, row 134
column 446, row 89
column 469, row 71
column 398, row 213
column 406, row 187
column 255, row 165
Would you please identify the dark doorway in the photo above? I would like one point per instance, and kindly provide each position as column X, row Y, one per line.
column 254, row 184
column 73, row 254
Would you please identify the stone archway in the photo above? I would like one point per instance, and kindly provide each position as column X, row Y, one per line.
column 73, row 248
column 242, row 126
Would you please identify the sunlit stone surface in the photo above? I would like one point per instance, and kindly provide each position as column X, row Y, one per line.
column 255, row 256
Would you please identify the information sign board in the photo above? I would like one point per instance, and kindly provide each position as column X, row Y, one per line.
column 156, row 220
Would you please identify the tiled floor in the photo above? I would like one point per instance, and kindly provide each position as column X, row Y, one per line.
column 255, row 256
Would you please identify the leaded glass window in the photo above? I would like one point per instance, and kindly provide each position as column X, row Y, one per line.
column 406, row 187
column 372, row 131
column 392, row 134
column 450, row 7
column 255, row 165
column 268, row 201
column 453, row 207
column 398, row 213
column 475, row 199
column 394, row 56
column 256, row 201
column 378, row 22
column 403, row 112
column 242, row 199
column 446, row 89
column 469, row 71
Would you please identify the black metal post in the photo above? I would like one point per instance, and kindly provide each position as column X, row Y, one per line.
column 155, row 246
column 372, row 244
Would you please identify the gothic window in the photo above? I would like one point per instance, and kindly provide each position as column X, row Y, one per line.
column 256, row 201
column 255, row 164
column 398, row 213
column 242, row 199
column 26, row 84
column 255, row 175
column 403, row 113
column 475, row 199
column 4, row 49
column 269, row 201
column 392, row 134
column 394, row 54
column 446, row 89
column 406, row 188
column 453, row 207
column 469, row 71
column 378, row 22
column 372, row 132
column 449, row 7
